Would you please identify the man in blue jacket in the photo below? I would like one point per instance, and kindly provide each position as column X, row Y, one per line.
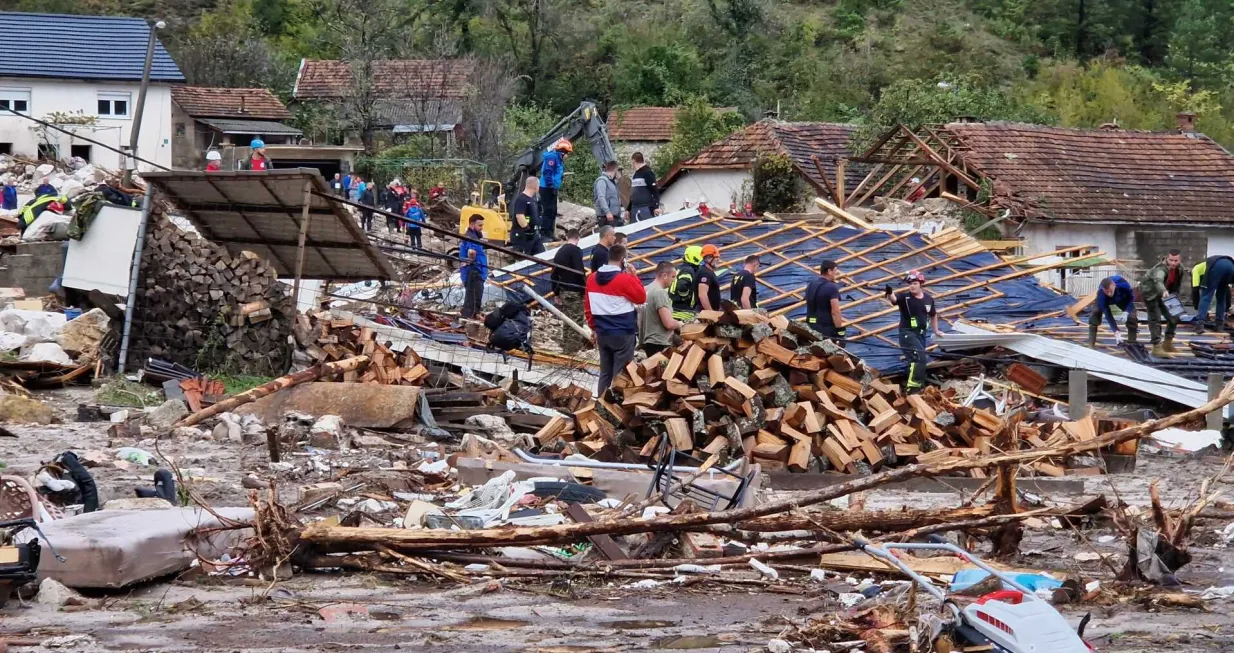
column 475, row 266
column 551, row 169
column 1113, row 291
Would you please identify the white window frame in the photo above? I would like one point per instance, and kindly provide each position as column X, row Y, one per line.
column 9, row 95
column 111, row 98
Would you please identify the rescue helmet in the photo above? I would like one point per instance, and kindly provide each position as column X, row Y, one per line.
column 693, row 255
column 213, row 155
column 55, row 206
column 564, row 145
column 710, row 250
column 914, row 275
column 257, row 144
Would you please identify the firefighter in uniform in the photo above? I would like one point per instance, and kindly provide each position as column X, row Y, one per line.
column 684, row 291
column 916, row 308
column 34, row 208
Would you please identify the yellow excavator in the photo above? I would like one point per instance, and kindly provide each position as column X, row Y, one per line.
column 489, row 198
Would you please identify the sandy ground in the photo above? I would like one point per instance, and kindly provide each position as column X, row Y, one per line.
column 323, row 612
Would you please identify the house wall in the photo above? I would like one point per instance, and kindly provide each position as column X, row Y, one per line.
column 718, row 188
column 625, row 149
column 47, row 96
column 184, row 151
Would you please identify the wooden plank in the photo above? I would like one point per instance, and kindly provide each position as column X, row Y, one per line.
column 605, row 543
column 885, row 420
column 836, row 453
column 715, row 369
column 799, row 456
column 745, row 390
column 674, row 364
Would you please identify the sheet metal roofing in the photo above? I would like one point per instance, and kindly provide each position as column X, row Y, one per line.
column 261, row 212
column 60, row 46
column 260, row 127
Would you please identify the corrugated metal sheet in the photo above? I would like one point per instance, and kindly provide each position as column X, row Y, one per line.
column 60, row 46
column 261, row 127
column 260, row 212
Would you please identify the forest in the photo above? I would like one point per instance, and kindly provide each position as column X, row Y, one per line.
column 1084, row 63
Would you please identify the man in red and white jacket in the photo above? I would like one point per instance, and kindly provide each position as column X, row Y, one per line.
column 611, row 306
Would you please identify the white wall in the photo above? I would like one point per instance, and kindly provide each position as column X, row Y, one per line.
column 1220, row 242
column 66, row 96
column 718, row 188
column 1040, row 238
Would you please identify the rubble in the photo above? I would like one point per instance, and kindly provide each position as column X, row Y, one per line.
column 52, row 592
column 81, row 337
column 24, row 410
column 166, row 415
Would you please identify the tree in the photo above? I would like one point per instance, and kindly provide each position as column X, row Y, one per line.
column 777, row 187
column 530, row 28
column 1199, row 47
column 698, row 125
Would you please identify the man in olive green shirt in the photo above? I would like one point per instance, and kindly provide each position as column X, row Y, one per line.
column 655, row 320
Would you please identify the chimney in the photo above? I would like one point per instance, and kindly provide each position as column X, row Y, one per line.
column 1186, row 121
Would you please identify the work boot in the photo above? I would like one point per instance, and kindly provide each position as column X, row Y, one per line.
column 1160, row 352
column 1092, row 337
column 1168, row 345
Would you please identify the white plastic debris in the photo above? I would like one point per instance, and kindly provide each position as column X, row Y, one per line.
column 651, row 512
column 134, row 455
column 435, row 467
column 1227, row 534
column 645, row 584
column 1213, row 593
column 1187, row 441
column 119, row 417
column 696, row 569
column 47, row 352
column 490, row 495
column 849, row 599
column 1087, row 556
column 818, row 575
column 1105, row 539
column 1092, row 586
column 767, row 572
column 477, row 568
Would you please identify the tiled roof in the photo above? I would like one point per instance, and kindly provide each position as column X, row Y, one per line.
column 259, row 127
column 800, row 140
column 642, row 124
column 1101, row 175
column 57, row 46
column 248, row 103
column 331, row 79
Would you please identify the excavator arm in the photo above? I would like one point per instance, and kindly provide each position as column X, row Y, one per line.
column 584, row 121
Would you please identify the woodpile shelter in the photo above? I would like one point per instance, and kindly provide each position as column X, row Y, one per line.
column 1133, row 194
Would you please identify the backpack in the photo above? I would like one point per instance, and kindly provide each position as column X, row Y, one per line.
column 682, row 292
column 509, row 326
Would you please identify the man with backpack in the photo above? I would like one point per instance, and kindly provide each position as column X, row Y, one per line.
column 684, row 289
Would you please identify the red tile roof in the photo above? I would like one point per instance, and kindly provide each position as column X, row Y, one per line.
column 1052, row 173
column 249, row 103
column 642, row 124
column 406, row 78
column 801, row 141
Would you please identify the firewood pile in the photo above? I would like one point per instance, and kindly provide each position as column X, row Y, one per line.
column 327, row 339
column 744, row 384
column 199, row 306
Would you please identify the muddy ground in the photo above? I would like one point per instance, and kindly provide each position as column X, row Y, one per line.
column 323, row 612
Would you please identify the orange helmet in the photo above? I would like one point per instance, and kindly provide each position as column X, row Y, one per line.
column 564, row 145
column 710, row 250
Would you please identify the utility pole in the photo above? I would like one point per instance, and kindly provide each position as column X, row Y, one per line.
column 135, row 133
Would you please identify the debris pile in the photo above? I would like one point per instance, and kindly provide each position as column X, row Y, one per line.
column 922, row 214
column 742, row 384
column 325, row 338
column 71, row 178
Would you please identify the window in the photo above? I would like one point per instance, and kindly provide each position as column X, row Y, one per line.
column 16, row 99
column 6, row 148
column 81, row 152
column 114, row 105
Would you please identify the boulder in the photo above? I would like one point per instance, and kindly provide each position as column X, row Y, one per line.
column 81, row 337
column 45, row 170
column 166, row 415
column 47, row 352
column 53, row 592
column 23, row 410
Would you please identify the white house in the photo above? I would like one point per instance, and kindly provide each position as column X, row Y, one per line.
column 82, row 73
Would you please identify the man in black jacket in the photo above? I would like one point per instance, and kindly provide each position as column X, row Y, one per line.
column 644, row 195
column 568, row 287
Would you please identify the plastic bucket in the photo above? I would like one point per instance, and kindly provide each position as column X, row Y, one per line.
column 72, row 313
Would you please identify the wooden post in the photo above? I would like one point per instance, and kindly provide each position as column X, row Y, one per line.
column 1077, row 393
column 1212, row 421
column 841, row 197
column 272, row 442
column 304, row 227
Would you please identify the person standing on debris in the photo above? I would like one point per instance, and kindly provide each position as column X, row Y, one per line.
column 1197, row 282
column 599, row 253
column 611, row 306
column 475, row 266
column 744, row 291
column 8, row 197
column 336, row 184
column 1160, row 283
column 644, row 195
column 214, row 161
column 1218, row 275
column 823, row 304
column 258, row 159
column 1113, row 291
column 551, row 169
column 366, row 213
column 656, row 324
column 415, row 218
column 916, row 307
column 568, row 286
column 708, row 291
column 607, row 197
column 45, row 188
column 684, row 290
column 526, row 214
column 346, row 189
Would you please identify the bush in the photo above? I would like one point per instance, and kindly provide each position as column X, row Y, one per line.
column 777, row 187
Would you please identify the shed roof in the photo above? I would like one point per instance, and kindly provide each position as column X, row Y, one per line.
column 327, row 79
column 801, row 141
column 248, row 103
column 1091, row 175
column 260, row 127
column 260, row 211
column 61, row 46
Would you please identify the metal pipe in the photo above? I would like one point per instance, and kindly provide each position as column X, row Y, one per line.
column 565, row 319
column 131, row 162
column 134, row 272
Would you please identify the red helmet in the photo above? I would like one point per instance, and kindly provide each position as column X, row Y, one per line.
column 914, row 275
column 55, row 207
column 563, row 145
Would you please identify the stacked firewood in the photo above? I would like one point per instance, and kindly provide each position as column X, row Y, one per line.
column 744, row 384
column 199, row 306
column 326, row 339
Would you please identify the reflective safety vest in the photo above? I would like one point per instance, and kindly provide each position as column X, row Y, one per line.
column 35, row 208
column 684, row 292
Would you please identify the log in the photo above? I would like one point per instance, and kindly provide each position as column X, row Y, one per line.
column 281, row 383
column 483, row 538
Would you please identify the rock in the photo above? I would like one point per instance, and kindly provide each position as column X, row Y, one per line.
column 166, row 415
column 10, row 341
column 385, row 613
column 71, row 188
column 251, row 482
column 327, row 432
column 23, row 410
column 53, row 592
column 45, row 170
column 81, row 337
column 494, row 426
column 371, row 442
column 135, row 503
column 245, row 429
column 85, row 174
column 47, row 352
column 226, row 432
column 574, row 216
column 119, row 417
column 188, row 433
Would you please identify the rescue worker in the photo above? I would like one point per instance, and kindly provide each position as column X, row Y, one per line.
column 1161, row 282
column 258, row 159
column 644, row 194
column 823, row 304
column 551, row 169
column 214, row 161
column 526, row 214
column 1197, row 282
column 35, row 207
column 1113, row 291
column 568, row 285
column 744, row 291
column 916, row 308
column 1218, row 275
column 708, row 292
column 475, row 267
column 684, row 289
